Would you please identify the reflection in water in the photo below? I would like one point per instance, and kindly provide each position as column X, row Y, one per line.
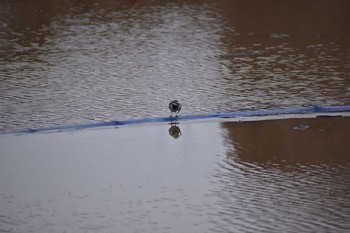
column 174, row 130
column 129, row 179
column 80, row 62
column 285, row 180
column 277, row 143
column 96, row 60
column 216, row 177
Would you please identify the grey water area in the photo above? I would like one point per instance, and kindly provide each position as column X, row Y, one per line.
column 81, row 62
column 218, row 175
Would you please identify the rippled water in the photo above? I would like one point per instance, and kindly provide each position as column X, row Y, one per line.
column 262, row 176
column 94, row 61
column 279, row 179
column 88, row 61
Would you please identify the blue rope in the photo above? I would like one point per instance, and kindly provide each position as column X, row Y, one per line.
column 248, row 113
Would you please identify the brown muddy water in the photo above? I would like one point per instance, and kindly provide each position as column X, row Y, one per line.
column 76, row 62
column 86, row 61
column 214, row 176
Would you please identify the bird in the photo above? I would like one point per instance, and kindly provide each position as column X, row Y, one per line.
column 175, row 106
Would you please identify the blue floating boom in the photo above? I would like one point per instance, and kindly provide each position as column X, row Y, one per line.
column 248, row 113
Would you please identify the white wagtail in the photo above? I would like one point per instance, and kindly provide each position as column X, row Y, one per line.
column 175, row 106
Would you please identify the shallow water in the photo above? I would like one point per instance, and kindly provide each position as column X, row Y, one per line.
column 263, row 176
column 90, row 61
column 80, row 62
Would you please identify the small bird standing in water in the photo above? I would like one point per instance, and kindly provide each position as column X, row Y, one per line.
column 175, row 106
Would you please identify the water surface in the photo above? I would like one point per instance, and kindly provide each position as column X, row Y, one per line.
column 87, row 61
column 260, row 176
column 80, row 62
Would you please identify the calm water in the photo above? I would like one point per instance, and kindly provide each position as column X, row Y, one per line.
column 222, row 177
column 87, row 61
column 90, row 61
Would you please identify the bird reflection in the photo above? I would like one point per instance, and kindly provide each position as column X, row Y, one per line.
column 174, row 130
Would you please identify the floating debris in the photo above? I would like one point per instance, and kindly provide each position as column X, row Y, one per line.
column 276, row 35
column 301, row 127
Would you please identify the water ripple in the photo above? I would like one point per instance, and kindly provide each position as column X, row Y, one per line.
column 283, row 188
column 105, row 64
column 277, row 201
